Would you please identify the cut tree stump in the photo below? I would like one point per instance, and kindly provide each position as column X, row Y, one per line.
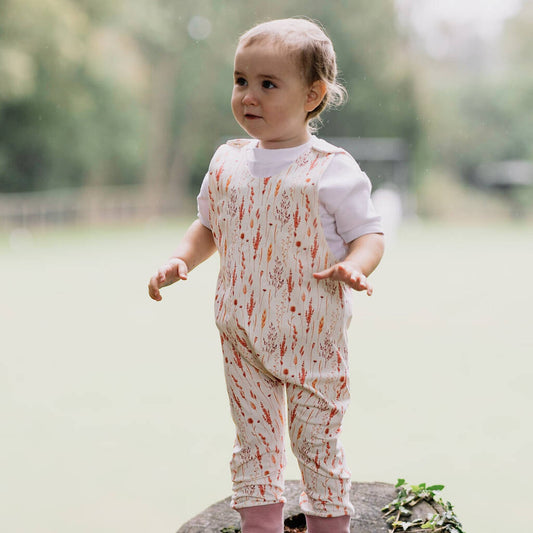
column 367, row 498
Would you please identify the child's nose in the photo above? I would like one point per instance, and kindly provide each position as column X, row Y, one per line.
column 249, row 98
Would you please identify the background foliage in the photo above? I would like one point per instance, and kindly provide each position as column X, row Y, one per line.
column 136, row 92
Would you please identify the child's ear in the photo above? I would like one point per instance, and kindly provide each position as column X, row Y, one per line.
column 315, row 95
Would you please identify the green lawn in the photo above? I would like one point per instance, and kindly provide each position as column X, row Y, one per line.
column 113, row 407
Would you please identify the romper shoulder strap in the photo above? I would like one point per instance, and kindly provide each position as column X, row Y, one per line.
column 227, row 148
column 240, row 143
column 320, row 145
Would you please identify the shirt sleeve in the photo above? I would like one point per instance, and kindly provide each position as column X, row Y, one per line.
column 202, row 201
column 344, row 192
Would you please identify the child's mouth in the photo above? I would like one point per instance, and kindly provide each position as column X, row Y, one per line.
column 250, row 116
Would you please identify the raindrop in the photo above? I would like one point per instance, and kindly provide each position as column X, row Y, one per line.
column 199, row 28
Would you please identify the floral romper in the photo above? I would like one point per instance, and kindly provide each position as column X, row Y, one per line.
column 283, row 332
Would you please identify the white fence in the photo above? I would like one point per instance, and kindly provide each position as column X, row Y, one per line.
column 83, row 206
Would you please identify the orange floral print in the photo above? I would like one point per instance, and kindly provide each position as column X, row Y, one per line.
column 283, row 333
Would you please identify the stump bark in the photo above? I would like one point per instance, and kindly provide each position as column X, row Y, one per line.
column 367, row 498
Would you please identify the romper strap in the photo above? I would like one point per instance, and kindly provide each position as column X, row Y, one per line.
column 240, row 143
column 323, row 146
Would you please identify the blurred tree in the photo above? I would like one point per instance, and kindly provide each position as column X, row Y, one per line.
column 114, row 92
column 181, row 43
column 61, row 123
column 518, row 40
column 155, row 27
column 482, row 115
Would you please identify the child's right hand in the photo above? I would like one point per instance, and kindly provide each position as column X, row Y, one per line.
column 168, row 274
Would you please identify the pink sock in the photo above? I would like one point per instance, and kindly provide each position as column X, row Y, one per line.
column 262, row 518
column 336, row 524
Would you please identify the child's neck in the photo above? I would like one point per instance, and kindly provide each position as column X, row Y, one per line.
column 285, row 143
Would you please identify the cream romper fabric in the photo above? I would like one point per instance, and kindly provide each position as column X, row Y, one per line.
column 282, row 331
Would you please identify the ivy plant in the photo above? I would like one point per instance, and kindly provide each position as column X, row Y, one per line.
column 399, row 511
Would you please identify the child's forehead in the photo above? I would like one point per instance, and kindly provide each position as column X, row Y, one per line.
column 258, row 56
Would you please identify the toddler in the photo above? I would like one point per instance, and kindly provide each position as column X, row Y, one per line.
column 291, row 218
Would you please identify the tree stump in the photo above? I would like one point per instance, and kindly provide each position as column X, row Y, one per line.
column 367, row 498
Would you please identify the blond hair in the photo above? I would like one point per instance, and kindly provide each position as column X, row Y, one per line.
column 313, row 50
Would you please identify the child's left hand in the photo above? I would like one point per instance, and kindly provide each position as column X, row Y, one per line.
column 364, row 254
column 348, row 274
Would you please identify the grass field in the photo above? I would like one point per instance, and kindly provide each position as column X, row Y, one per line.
column 113, row 407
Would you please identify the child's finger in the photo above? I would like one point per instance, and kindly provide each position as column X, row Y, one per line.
column 357, row 282
column 323, row 274
column 153, row 291
column 360, row 282
column 365, row 285
column 183, row 271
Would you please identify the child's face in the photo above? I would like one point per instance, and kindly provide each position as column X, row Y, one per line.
column 270, row 99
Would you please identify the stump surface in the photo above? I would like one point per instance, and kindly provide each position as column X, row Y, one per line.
column 367, row 498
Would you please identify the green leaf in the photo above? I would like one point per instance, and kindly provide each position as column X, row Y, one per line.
column 400, row 482
column 404, row 511
column 436, row 487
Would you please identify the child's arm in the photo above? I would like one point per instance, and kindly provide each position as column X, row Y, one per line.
column 364, row 255
column 196, row 246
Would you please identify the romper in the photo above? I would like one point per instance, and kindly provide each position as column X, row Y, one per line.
column 282, row 331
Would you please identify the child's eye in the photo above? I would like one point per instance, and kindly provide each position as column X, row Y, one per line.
column 240, row 81
column 267, row 84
